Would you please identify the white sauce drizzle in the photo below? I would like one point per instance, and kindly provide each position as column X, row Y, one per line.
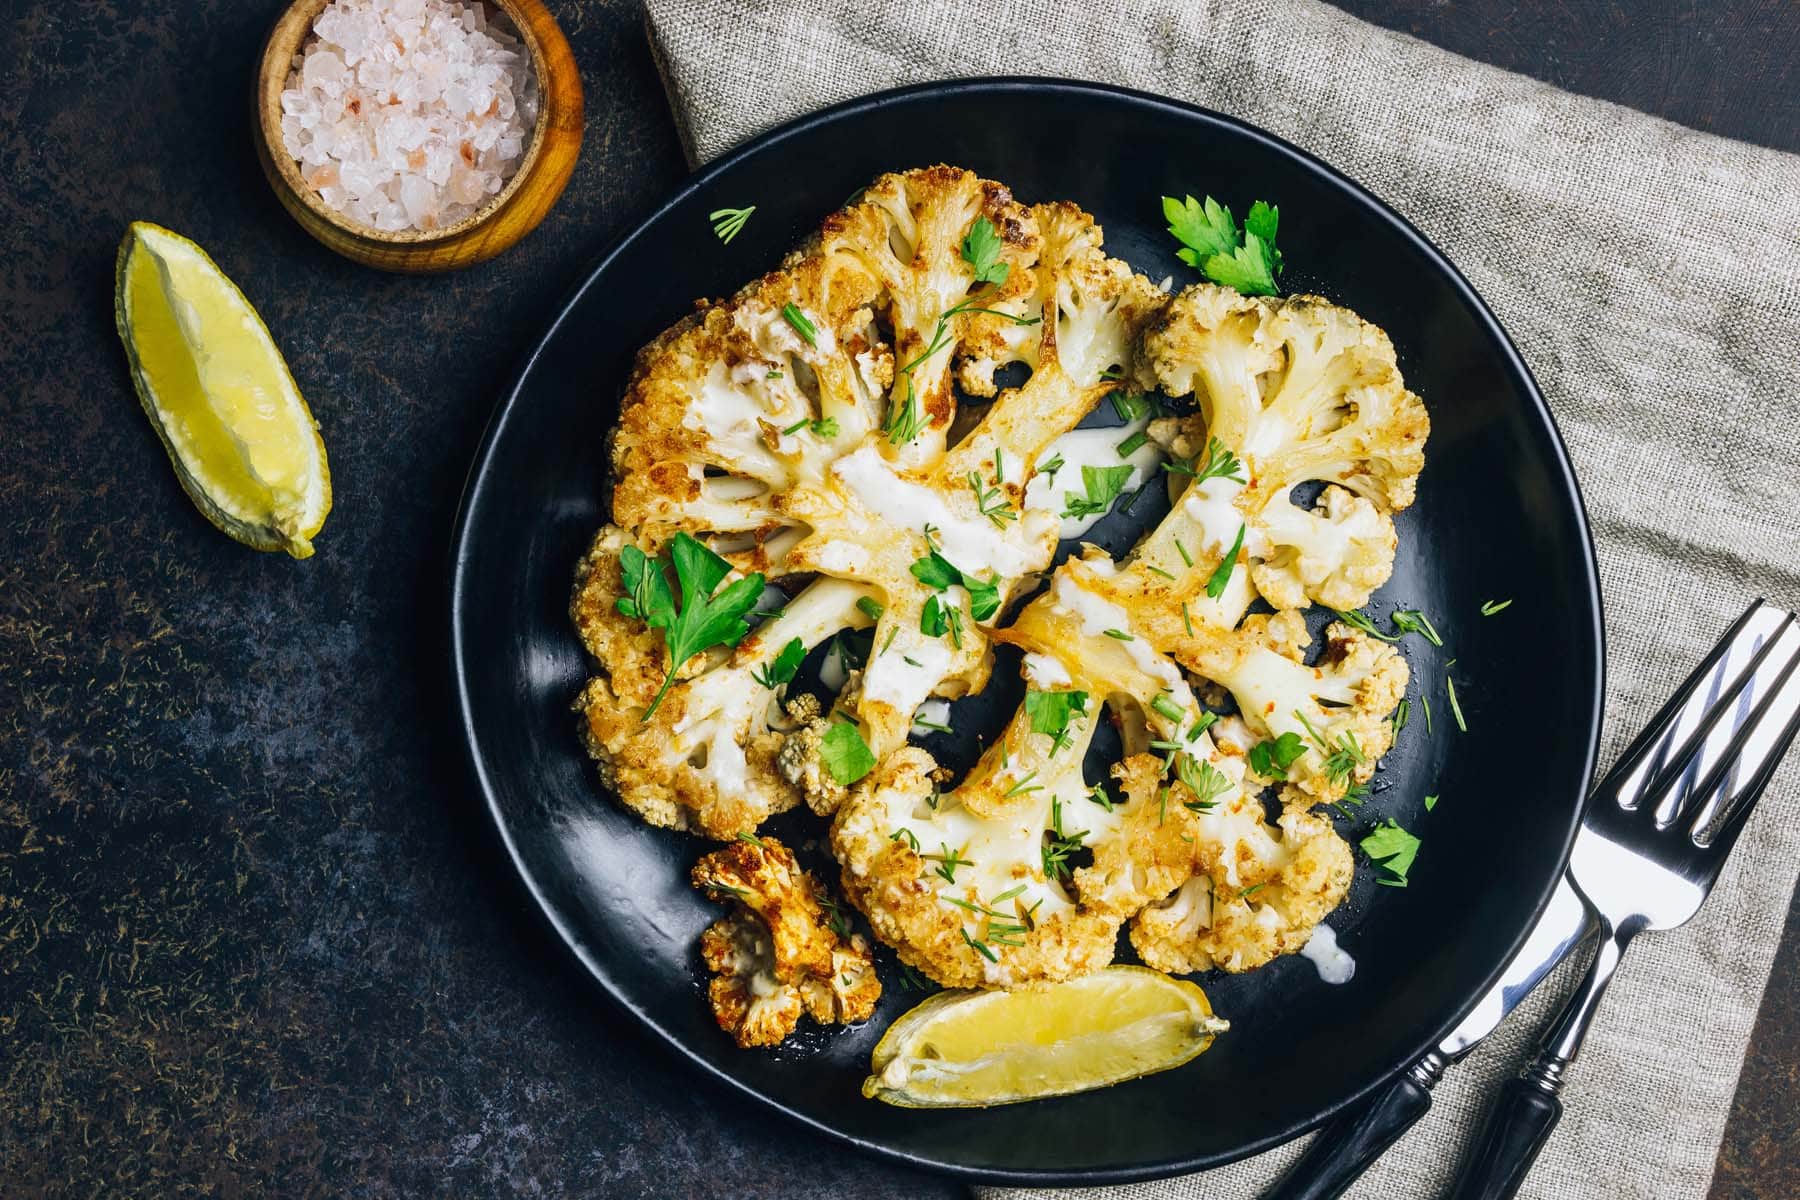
column 1046, row 673
column 973, row 544
column 1093, row 448
column 1334, row 964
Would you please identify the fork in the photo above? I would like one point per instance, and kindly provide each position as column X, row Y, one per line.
column 1649, row 850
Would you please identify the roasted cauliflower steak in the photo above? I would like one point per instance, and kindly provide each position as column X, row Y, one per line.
column 855, row 436
column 799, row 430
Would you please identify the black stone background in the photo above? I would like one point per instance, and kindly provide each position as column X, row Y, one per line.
column 254, row 938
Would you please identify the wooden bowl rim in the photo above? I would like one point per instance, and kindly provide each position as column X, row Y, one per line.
column 290, row 32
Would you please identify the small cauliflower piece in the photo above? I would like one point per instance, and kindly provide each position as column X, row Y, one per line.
column 1300, row 391
column 778, row 953
column 1338, row 706
column 1258, row 892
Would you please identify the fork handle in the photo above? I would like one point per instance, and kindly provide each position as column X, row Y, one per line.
column 1529, row 1106
column 1348, row 1146
column 1516, row 1130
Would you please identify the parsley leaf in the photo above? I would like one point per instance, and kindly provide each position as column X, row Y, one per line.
column 981, row 250
column 1103, row 485
column 1215, row 586
column 1271, row 760
column 1212, row 242
column 937, row 573
column 1394, row 849
column 1430, row 803
column 785, row 664
column 845, row 754
column 1051, row 713
column 704, row 620
column 984, row 597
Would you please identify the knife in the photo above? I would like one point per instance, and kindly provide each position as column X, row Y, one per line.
column 1350, row 1144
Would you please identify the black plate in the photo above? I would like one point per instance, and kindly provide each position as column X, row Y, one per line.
column 1498, row 516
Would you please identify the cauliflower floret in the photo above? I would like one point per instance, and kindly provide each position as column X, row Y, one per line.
column 778, row 953
column 1297, row 390
column 706, row 759
column 990, row 884
column 1258, row 892
column 1338, row 706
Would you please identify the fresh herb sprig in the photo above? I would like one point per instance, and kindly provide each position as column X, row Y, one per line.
column 703, row 619
column 1243, row 257
column 1394, row 849
column 728, row 222
column 1102, row 485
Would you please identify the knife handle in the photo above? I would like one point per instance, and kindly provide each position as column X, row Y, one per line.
column 1516, row 1131
column 1349, row 1145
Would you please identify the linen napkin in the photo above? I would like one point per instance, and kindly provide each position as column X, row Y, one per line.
column 1651, row 277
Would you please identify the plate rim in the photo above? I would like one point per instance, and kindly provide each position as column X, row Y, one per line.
column 477, row 481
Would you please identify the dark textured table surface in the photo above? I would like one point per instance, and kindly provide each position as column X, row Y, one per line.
column 253, row 938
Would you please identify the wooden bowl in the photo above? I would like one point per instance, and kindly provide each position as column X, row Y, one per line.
column 507, row 216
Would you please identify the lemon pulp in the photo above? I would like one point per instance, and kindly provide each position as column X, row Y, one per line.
column 970, row 1049
column 215, row 387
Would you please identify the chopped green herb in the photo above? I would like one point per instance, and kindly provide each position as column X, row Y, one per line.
column 1220, row 463
column 1059, row 844
column 1425, row 703
column 991, row 502
column 906, row 835
column 797, row 426
column 1204, row 780
column 781, row 669
column 1430, row 803
column 1402, row 714
column 1186, row 619
column 1411, row 620
column 1023, row 785
column 774, row 375
column 936, row 572
column 845, row 755
column 1118, row 635
column 1205, row 722
column 870, row 607
column 825, row 427
column 1271, row 760
column 1051, row 713
column 1102, row 485
column 947, row 861
column 1050, row 468
column 921, row 723
column 1185, row 556
column 1359, row 620
column 1394, row 849
column 1132, row 444
column 981, row 250
column 1098, row 795
column 1159, row 571
column 705, row 618
column 1221, row 576
column 913, row 981
column 1455, row 708
column 744, row 835
column 727, row 222
column 978, row 946
column 1490, row 607
column 790, row 312
column 1132, row 406
column 1165, row 707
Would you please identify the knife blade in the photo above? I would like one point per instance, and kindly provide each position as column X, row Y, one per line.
column 1566, row 922
column 1348, row 1145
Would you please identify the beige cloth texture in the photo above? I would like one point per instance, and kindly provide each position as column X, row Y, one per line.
column 1651, row 277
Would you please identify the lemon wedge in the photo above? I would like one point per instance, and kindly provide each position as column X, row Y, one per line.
column 244, row 444
column 974, row 1049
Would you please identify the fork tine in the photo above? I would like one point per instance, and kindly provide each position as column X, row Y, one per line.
column 1660, row 744
column 1717, row 745
column 1763, row 741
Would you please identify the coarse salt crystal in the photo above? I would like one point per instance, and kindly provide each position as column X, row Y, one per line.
column 408, row 113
